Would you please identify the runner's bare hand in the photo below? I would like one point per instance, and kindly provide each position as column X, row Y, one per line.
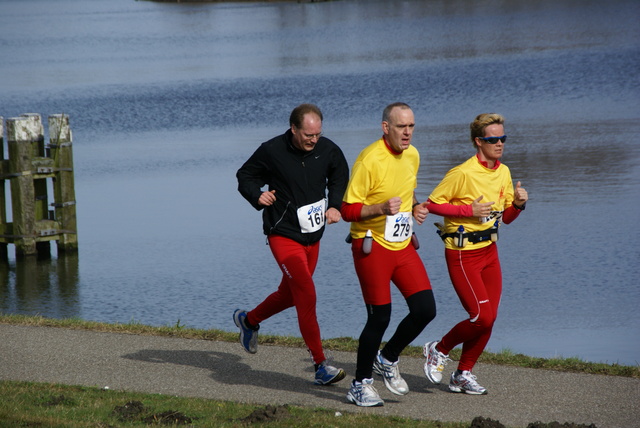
column 481, row 209
column 333, row 216
column 520, row 195
column 392, row 206
column 420, row 212
column 267, row 198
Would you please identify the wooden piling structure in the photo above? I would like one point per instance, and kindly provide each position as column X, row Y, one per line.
column 29, row 165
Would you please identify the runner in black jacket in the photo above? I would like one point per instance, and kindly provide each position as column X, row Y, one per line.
column 298, row 167
column 298, row 177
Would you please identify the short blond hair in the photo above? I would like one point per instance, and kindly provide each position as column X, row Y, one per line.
column 481, row 122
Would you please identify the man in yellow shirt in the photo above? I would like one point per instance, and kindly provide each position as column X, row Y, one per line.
column 380, row 201
column 474, row 197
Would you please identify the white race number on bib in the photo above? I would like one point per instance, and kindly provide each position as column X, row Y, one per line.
column 495, row 215
column 399, row 227
column 311, row 217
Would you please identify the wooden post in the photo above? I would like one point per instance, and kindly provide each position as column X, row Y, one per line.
column 43, row 248
column 22, row 133
column 4, row 253
column 64, row 185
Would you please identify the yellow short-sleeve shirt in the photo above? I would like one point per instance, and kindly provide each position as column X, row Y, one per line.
column 378, row 175
column 465, row 183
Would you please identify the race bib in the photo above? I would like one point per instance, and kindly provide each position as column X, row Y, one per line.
column 493, row 216
column 399, row 227
column 311, row 217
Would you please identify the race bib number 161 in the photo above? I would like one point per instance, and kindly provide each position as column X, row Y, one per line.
column 311, row 217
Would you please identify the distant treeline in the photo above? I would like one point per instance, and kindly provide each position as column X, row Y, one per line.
column 237, row 1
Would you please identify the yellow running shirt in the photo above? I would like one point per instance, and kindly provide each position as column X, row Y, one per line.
column 378, row 175
column 465, row 183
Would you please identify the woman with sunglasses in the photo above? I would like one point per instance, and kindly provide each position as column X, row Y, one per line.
column 473, row 197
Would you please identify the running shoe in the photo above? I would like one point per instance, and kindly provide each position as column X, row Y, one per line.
column 465, row 382
column 364, row 394
column 248, row 336
column 327, row 374
column 435, row 363
column 391, row 375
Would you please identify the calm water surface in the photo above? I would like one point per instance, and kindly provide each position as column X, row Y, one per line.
column 166, row 101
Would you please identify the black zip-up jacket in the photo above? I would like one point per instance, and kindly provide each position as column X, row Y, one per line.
column 298, row 177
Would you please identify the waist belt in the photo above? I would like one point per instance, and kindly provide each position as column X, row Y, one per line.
column 473, row 237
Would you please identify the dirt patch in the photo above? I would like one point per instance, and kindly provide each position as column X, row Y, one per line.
column 267, row 414
column 59, row 400
column 136, row 411
column 480, row 422
column 169, row 417
column 129, row 412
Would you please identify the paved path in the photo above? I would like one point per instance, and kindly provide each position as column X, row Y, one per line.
column 277, row 375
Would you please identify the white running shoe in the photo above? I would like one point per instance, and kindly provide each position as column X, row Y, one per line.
column 364, row 394
column 391, row 375
column 435, row 363
column 466, row 382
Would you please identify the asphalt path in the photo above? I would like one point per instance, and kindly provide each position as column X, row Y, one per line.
column 279, row 375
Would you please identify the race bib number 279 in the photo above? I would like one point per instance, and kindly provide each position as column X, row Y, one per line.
column 399, row 227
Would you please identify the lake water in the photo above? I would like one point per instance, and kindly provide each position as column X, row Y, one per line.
column 166, row 101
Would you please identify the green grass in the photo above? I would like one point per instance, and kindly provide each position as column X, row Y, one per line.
column 504, row 357
column 25, row 404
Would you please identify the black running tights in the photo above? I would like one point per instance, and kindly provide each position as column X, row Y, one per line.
column 422, row 309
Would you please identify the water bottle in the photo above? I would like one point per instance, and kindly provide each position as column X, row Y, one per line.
column 414, row 241
column 461, row 240
column 368, row 241
column 494, row 231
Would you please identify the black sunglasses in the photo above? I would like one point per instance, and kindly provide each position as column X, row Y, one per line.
column 493, row 140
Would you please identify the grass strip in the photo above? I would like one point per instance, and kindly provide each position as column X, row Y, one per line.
column 27, row 404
